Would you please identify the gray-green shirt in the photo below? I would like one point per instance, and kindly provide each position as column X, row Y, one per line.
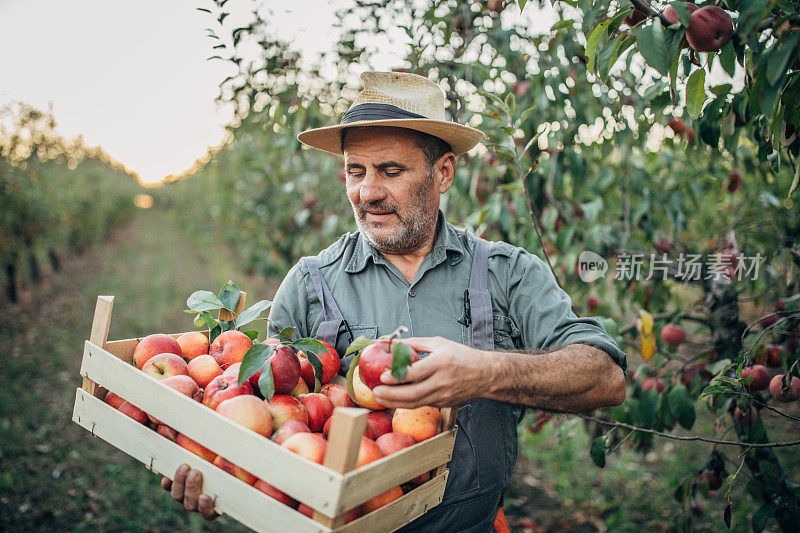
column 530, row 310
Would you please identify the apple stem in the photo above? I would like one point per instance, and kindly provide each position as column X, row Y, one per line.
column 396, row 333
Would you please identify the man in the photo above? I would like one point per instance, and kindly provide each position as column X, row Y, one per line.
column 499, row 332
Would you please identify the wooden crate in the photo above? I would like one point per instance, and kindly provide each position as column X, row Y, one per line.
column 331, row 489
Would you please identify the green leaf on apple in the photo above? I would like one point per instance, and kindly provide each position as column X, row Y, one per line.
column 229, row 295
column 254, row 359
column 252, row 313
column 252, row 334
column 286, row 334
column 203, row 301
column 307, row 344
column 401, row 360
column 317, row 364
column 350, row 371
column 266, row 381
column 214, row 333
column 358, row 344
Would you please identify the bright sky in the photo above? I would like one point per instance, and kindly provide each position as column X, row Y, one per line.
column 132, row 77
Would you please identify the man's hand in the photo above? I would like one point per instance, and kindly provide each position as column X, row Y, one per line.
column 187, row 489
column 451, row 375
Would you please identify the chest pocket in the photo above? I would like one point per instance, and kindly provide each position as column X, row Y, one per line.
column 506, row 333
column 343, row 341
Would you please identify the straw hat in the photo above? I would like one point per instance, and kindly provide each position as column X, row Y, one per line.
column 396, row 99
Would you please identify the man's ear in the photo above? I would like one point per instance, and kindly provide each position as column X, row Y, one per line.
column 446, row 166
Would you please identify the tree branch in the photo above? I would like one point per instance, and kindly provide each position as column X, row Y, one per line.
column 645, row 8
column 691, row 437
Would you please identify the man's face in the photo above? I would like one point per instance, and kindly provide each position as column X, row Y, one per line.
column 393, row 192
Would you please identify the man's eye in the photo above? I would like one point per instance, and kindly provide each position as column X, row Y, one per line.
column 393, row 173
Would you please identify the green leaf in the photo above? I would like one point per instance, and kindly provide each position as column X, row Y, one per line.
column 308, row 344
column 683, row 13
column 727, row 58
column 286, row 334
column 653, row 47
column 795, row 181
column 648, row 408
column 714, row 389
column 594, row 39
column 252, row 333
column 762, row 516
column 266, row 381
column 358, row 344
column 229, row 295
column 696, row 92
column 719, row 366
column 203, row 301
column 253, row 360
column 681, row 406
column 214, row 333
column 777, row 61
column 598, row 451
column 317, row 365
column 568, row 23
column 721, row 90
column 401, row 360
column 252, row 313
column 350, row 372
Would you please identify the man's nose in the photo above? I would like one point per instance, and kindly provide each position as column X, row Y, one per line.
column 372, row 189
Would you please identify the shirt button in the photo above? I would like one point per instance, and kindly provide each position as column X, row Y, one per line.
column 498, row 338
column 412, row 292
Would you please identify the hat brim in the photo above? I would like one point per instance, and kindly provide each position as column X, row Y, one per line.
column 461, row 138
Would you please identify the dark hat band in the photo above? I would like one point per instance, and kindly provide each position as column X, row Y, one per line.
column 376, row 112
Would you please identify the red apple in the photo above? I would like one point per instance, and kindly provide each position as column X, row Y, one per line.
column 285, row 369
column 390, row 443
column 381, row 500
column 283, row 408
column 773, row 353
column 672, row 15
column 289, row 428
column 710, row 28
column 677, row 126
column 634, row 18
column 745, row 418
column 114, row 400
column 183, row 384
column 153, row 345
column 193, row 344
column 165, row 365
column 653, row 383
column 760, row 377
column 222, row 388
column 248, row 411
column 330, row 365
column 167, row 432
column 338, row 396
column 319, row 409
column 711, row 478
column 768, row 320
column 673, row 335
column 203, row 369
column 326, row 429
column 375, row 359
column 127, row 408
column 272, row 492
column 368, row 452
column 378, row 423
column 734, row 181
column 196, row 448
column 309, row 445
column 592, row 304
column 306, row 370
column 421, row 423
column 229, row 347
column 790, row 394
column 234, row 470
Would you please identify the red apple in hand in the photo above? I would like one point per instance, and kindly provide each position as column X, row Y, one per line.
column 153, row 345
column 375, row 359
column 165, row 365
column 229, row 347
column 222, row 388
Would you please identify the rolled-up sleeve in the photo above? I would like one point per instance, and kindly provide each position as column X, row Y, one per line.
column 543, row 311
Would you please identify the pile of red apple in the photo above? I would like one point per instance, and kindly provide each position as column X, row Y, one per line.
column 293, row 418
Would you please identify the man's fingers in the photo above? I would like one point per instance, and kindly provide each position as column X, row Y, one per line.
column 206, row 507
column 422, row 344
column 179, row 483
column 412, row 395
column 422, row 369
column 194, row 486
column 166, row 483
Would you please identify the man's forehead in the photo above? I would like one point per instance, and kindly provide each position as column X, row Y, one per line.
column 380, row 142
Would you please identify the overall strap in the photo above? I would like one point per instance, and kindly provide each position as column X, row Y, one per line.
column 481, row 323
column 328, row 330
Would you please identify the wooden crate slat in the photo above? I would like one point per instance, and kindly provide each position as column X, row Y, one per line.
column 401, row 511
column 231, row 495
column 302, row 479
column 101, row 323
column 379, row 476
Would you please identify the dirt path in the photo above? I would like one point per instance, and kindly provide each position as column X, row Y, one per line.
column 53, row 474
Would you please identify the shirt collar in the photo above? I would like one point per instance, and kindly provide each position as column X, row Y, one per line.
column 446, row 241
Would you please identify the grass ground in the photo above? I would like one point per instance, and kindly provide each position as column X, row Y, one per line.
column 54, row 476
